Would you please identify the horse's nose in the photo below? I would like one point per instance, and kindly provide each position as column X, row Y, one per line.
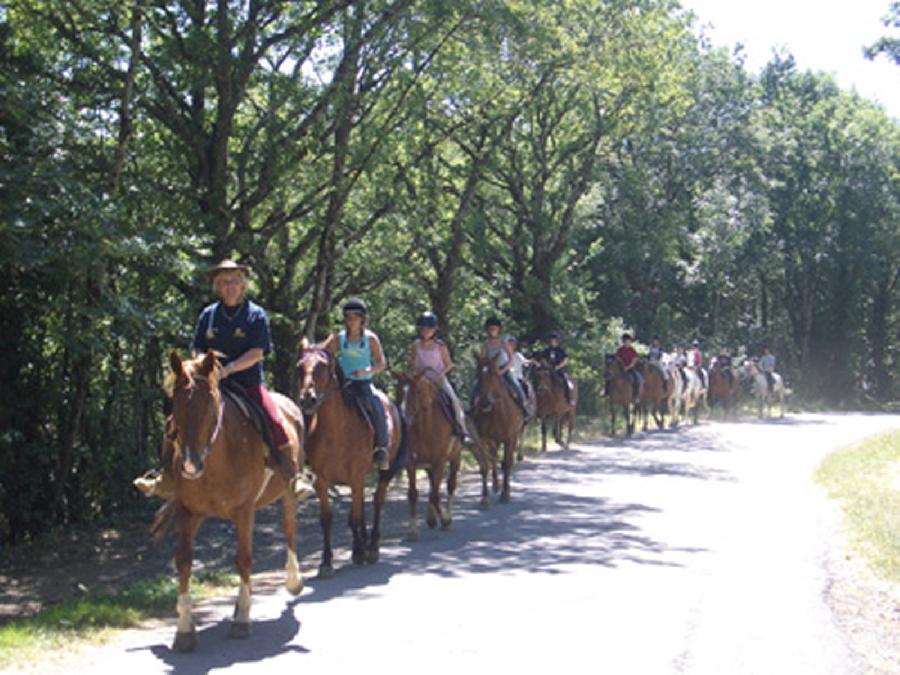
column 191, row 468
column 308, row 400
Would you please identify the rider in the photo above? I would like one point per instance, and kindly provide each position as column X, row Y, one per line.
column 430, row 356
column 629, row 357
column 359, row 353
column 238, row 329
column 695, row 361
column 556, row 356
column 679, row 360
column 767, row 366
column 495, row 346
column 519, row 362
column 654, row 356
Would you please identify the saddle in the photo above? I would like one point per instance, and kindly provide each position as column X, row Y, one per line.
column 249, row 409
column 356, row 402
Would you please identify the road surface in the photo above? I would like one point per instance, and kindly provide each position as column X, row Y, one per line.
column 697, row 551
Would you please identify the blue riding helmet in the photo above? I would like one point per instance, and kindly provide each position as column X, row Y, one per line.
column 427, row 320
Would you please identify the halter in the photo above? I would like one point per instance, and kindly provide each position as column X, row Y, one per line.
column 318, row 351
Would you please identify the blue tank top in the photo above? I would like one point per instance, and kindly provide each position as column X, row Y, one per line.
column 355, row 356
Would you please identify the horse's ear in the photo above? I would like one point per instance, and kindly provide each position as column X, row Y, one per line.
column 175, row 363
column 208, row 364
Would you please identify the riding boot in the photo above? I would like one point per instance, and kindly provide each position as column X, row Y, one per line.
column 299, row 485
column 159, row 482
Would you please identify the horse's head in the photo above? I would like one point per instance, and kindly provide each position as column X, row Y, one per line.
column 610, row 363
column 543, row 374
column 420, row 392
column 317, row 373
column 197, row 409
column 490, row 381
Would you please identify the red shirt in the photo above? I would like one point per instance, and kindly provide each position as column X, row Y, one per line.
column 627, row 355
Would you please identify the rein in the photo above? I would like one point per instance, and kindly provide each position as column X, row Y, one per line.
column 311, row 412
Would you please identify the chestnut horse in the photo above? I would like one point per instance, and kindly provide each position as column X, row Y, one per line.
column 723, row 388
column 551, row 402
column 654, row 393
column 621, row 393
column 432, row 445
column 220, row 470
column 498, row 419
column 339, row 444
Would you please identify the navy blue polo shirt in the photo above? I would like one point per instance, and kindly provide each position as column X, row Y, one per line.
column 554, row 355
column 233, row 334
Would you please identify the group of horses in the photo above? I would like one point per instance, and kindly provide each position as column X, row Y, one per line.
column 681, row 391
column 222, row 467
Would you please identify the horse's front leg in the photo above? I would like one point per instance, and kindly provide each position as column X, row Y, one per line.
column 373, row 550
column 495, row 473
column 435, row 476
column 509, row 450
column 612, row 418
column 358, row 520
column 571, row 417
column 412, row 496
column 452, row 477
column 543, row 434
column 186, row 633
column 326, row 567
column 294, row 582
column 244, row 519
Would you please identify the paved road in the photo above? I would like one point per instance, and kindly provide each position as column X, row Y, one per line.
column 700, row 551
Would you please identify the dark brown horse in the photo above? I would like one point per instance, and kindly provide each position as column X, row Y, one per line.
column 338, row 446
column 432, row 446
column 621, row 394
column 551, row 402
column 723, row 388
column 498, row 419
column 220, row 470
column 653, row 394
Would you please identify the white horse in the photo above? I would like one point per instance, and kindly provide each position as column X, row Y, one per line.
column 693, row 395
column 764, row 397
column 675, row 389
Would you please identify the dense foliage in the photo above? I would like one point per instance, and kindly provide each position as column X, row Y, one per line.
column 587, row 165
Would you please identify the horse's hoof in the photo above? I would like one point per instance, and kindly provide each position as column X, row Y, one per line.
column 294, row 587
column 446, row 522
column 372, row 556
column 185, row 642
column 239, row 630
column 326, row 572
column 431, row 518
column 413, row 535
column 359, row 557
column 485, row 503
column 504, row 498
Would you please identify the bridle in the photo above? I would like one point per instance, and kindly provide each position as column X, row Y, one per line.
column 310, row 411
column 220, row 412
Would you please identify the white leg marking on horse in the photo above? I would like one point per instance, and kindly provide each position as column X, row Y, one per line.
column 294, row 583
column 266, row 478
column 184, row 606
column 242, row 608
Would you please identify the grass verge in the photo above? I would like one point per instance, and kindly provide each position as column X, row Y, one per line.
column 866, row 479
column 94, row 616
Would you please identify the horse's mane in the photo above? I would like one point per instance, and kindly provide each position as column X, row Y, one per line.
column 190, row 365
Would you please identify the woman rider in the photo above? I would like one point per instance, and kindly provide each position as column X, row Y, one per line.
column 360, row 356
column 238, row 329
column 430, row 357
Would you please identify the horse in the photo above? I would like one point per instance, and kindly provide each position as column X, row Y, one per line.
column 674, row 391
column 498, row 420
column 432, row 446
column 220, row 470
column 723, row 388
column 692, row 394
column 761, row 388
column 551, row 402
column 621, row 393
column 339, row 443
column 654, row 393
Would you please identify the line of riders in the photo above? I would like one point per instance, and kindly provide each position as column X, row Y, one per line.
column 237, row 329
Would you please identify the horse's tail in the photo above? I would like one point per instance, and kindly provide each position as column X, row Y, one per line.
column 165, row 520
column 403, row 451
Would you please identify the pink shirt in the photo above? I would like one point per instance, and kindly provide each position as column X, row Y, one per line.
column 429, row 359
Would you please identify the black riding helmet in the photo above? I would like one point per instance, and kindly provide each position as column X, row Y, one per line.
column 553, row 335
column 355, row 305
column 493, row 321
column 626, row 336
column 427, row 320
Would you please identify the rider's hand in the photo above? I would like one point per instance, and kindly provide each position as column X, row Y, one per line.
column 360, row 373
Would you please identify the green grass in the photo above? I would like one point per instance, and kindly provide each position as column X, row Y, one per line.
column 93, row 616
column 865, row 478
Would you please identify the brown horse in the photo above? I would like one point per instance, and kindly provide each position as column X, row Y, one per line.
column 551, row 402
column 621, row 393
column 338, row 447
column 723, row 388
column 220, row 470
column 654, row 393
column 432, row 445
column 498, row 419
